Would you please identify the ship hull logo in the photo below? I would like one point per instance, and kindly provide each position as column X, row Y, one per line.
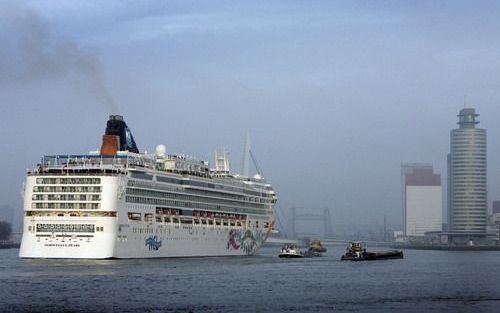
column 153, row 243
column 244, row 240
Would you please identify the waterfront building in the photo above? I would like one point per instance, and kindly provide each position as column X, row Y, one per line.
column 496, row 207
column 495, row 219
column 422, row 200
column 467, row 192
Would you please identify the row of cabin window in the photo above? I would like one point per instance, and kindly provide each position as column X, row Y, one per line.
column 68, row 197
column 66, row 228
column 148, row 218
column 72, row 213
column 139, row 230
column 165, row 202
column 143, row 184
column 68, row 181
column 93, row 189
column 193, row 183
column 161, row 194
column 65, row 205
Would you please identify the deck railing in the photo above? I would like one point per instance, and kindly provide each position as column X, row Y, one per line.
column 94, row 162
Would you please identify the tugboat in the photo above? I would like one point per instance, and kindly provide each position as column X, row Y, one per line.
column 310, row 253
column 290, row 251
column 316, row 246
column 355, row 252
column 352, row 252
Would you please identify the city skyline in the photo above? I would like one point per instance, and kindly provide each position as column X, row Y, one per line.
column 350, row 91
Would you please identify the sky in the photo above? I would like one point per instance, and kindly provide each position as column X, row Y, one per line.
column 334, row 94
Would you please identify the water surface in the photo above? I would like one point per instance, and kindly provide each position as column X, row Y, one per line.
column 425, row 281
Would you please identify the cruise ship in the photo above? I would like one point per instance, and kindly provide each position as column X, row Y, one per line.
column 120, row 203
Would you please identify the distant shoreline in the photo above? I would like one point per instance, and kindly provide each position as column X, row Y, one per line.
column 9, row 244
column 446, row 247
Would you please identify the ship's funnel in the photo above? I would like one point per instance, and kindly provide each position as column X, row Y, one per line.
column 110, row 144
column 117, row 137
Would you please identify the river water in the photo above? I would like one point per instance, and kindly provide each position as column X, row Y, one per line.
column 425, row 281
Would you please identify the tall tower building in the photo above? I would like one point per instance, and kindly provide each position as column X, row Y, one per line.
column 422, row 200
column 467, row 198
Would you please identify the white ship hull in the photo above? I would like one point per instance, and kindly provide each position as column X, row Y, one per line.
column 173, row 242
column 116, row 236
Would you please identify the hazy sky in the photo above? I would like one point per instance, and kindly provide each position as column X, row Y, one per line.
column 335, row 94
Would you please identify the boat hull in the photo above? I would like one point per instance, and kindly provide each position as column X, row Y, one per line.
column 145, row 242
column 370, row 256
column 290, row 256
column 112, row 232
column 383, row 255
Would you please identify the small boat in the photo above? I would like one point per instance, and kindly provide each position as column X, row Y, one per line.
column 355, row 252
column 316, row 246
column 309, row 254
column 290, row 251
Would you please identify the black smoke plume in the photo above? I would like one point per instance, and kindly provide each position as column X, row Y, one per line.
column 30, row 51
